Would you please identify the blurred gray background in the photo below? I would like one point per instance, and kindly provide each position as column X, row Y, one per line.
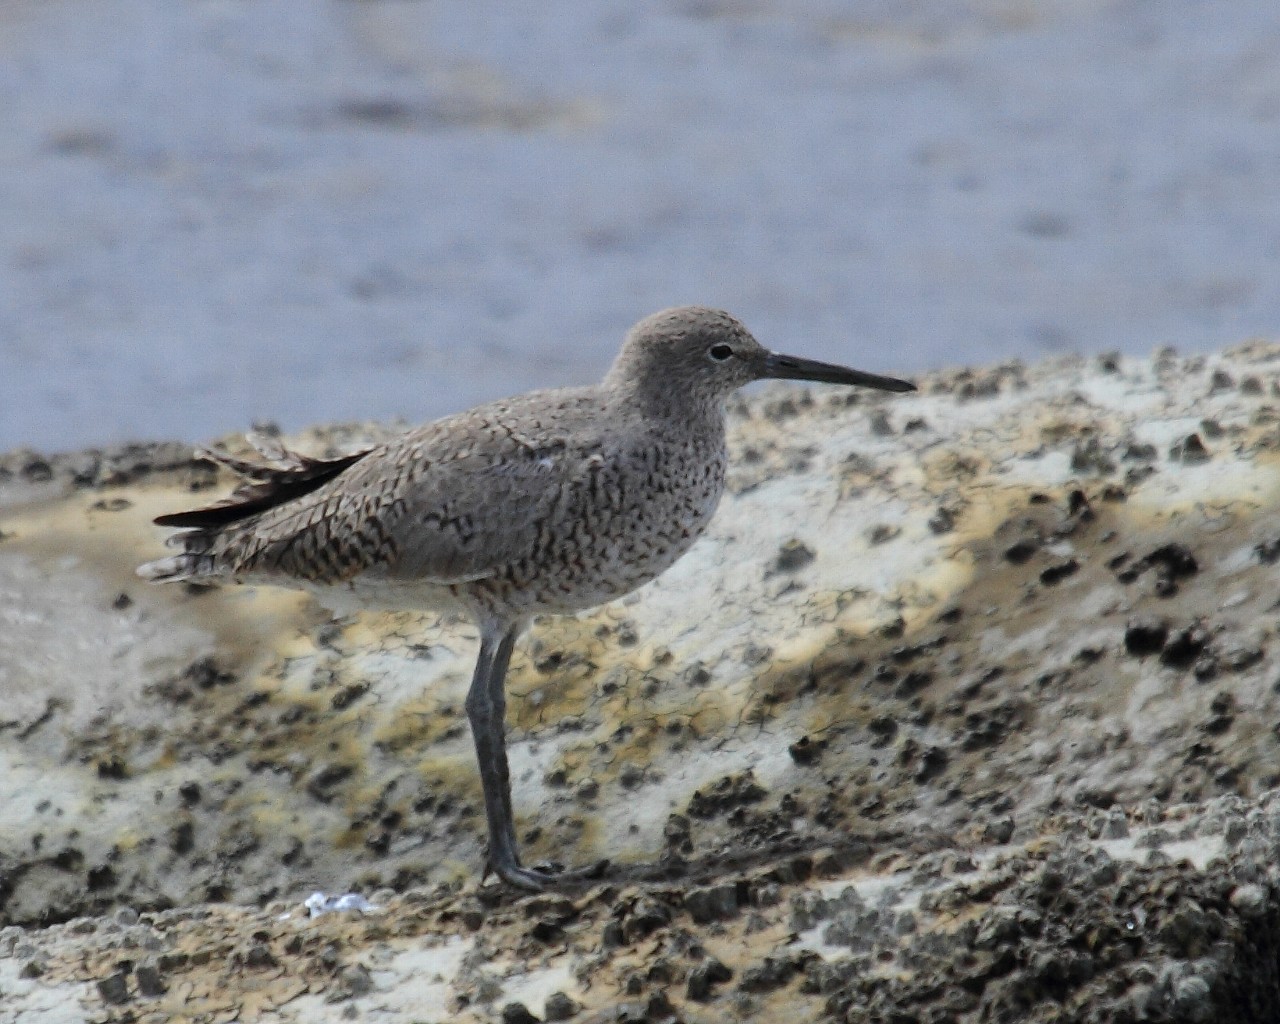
column 220, row 211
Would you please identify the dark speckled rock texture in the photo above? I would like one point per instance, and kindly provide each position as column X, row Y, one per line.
column 965, row 710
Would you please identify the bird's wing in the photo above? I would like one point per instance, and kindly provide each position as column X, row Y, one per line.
column 463, row 513
column 454, row 501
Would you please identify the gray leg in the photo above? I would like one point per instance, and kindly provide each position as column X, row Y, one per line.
column 486, row 711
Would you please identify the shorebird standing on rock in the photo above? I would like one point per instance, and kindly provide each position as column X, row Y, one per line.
column 548, row 502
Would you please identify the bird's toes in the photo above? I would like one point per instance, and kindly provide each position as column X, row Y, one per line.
column 538, row 879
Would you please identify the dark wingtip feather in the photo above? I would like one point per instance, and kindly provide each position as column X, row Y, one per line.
column 267, row 487
column 212, row 515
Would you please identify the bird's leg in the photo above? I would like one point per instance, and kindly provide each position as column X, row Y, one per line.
column 486, row 711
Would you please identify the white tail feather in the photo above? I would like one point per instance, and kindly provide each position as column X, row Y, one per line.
column 169, row 570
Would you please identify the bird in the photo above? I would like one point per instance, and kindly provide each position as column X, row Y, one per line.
column 549, row 502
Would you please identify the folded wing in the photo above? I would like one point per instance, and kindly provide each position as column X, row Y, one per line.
column 453, row 501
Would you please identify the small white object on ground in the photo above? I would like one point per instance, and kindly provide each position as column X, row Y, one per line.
column 319, row 903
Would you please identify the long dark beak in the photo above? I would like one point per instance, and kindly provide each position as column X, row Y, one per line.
column 795, row 368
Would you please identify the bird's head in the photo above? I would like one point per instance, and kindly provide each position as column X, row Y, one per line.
column 693, row 352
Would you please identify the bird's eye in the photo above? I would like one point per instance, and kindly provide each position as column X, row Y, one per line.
column 720, row 352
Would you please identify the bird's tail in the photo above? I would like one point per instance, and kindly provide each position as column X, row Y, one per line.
column 276, row 477
column 173, row 569
column 197, row 559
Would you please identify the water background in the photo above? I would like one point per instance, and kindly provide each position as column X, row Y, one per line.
column 215, row 213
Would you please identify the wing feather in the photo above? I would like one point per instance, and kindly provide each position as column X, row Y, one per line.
column 453, row 501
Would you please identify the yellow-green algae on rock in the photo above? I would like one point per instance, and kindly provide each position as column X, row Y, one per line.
column 941, row 667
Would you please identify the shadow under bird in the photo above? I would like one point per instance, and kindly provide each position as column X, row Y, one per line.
column 549, row 502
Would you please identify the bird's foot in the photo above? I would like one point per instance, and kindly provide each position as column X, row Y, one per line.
column 548, row 877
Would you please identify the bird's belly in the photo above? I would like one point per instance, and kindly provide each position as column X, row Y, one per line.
column 378, row 593
column 615, row 571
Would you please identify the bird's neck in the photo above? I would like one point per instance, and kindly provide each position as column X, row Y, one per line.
column 680, row 408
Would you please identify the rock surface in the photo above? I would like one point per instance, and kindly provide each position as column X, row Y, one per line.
column 974, row 718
